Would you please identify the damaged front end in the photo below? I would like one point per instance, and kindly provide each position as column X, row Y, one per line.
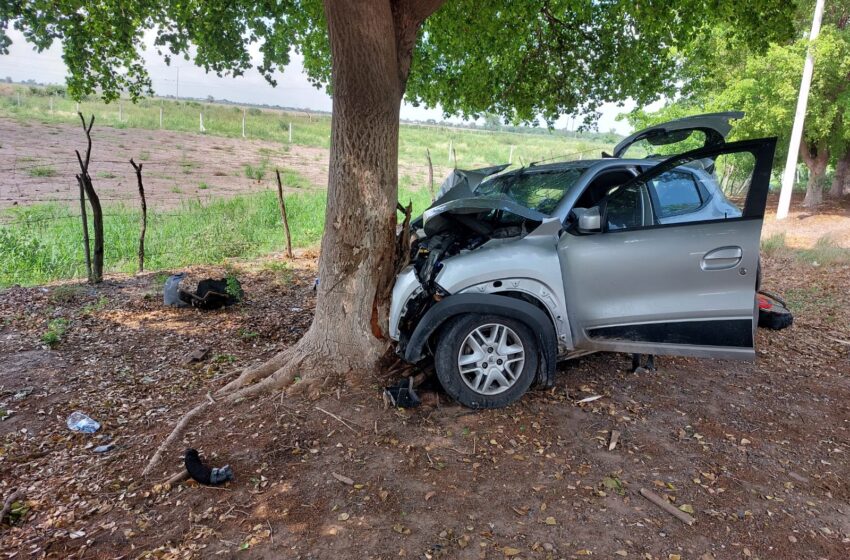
column 457, row 223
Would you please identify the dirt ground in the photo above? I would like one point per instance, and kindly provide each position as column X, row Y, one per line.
column 757, row 451
column 804, row 228
column 38, row 164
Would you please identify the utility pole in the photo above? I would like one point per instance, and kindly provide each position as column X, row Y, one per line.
column 788, row 175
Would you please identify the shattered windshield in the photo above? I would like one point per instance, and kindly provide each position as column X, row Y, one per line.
column 539, row 190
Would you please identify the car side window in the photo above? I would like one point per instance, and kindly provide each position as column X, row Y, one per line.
column 677, row 193
column 624, row 208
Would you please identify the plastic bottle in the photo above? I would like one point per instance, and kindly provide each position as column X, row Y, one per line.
column 171, row 291
column 79, row 422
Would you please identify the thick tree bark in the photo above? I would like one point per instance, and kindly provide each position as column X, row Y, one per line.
column 371, row 47
column 816, row 157
column 841, row 182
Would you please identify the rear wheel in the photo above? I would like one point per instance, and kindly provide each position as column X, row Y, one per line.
column 486, row 361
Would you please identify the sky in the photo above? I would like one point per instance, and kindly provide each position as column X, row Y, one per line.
column 183, row 78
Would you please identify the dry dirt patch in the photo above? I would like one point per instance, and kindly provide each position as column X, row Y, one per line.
column 39, row 164
column 757, row 451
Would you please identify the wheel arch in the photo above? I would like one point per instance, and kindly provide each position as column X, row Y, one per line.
column 494, row 304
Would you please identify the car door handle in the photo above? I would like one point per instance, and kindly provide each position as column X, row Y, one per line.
column 722, row 258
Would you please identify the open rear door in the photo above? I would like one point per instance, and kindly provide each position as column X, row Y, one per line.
column 685, row 288
column 689, row 133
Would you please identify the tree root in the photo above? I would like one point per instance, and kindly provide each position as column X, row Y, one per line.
column 7, row 504
column 280, row 372
column 175, row 433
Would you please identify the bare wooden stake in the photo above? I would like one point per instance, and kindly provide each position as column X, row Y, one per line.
column 144, row 223
column 85, row 220
column 430, row 174
column 667, row 506
column 84, row 178
column 337, row 418
column 282, row 205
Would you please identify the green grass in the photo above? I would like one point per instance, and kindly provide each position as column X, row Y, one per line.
column 43, row 242
column 43, row 171
column 825, row 253
column 774, row 245
column 55, row 331
column 281, row 270
column 256, row 172
column 473, row 147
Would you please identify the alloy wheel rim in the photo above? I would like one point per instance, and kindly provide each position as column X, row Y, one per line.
column 491, row 358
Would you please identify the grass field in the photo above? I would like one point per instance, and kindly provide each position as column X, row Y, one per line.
column 41, row 242
column 472, row 147
column 45, row 241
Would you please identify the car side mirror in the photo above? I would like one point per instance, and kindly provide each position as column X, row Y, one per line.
column 589, row 219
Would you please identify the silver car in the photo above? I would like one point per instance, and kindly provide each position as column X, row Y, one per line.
column 513, row 271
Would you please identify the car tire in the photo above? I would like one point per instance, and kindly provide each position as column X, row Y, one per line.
column 507, row 347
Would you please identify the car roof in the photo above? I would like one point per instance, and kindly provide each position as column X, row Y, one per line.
column 583, row 164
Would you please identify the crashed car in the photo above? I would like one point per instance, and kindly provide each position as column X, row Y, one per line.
column 653, row 249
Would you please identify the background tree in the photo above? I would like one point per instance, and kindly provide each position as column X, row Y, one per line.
column 765, row 85
column 520, row 60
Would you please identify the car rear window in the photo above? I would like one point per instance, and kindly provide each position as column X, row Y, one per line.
column 677, row 193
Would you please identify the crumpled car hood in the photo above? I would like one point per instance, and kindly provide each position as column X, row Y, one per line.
column 433, row 221
column 461, row 183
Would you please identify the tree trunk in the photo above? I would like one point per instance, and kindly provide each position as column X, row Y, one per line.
column 816, row 157
column 371, row 47
column 841, row 182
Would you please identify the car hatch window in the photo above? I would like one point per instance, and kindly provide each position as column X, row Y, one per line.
column 677, row 193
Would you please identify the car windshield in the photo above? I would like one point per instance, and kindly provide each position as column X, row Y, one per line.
column 537, row 189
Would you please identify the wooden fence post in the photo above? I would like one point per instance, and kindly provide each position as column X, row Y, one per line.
column 144, row 224
column 243, row 122
column 85, row 220
column 430, row 174
column 97, row 211
column 282, row 205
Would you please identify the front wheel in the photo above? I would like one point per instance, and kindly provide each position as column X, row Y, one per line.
column 486, row 361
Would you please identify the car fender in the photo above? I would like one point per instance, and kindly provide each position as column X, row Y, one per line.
column 493, row 304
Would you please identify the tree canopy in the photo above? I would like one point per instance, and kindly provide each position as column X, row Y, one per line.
column 765, row 85
column 519, row 60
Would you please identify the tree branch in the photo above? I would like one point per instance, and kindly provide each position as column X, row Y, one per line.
column 408, row 16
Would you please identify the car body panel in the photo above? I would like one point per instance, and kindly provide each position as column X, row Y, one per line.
column 406, row 286
column 715, row 126
column 474, row 205
column 527, row 265
column 681, row 288
column 683, row 285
